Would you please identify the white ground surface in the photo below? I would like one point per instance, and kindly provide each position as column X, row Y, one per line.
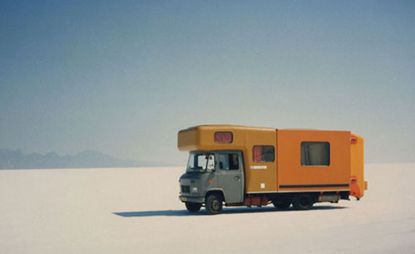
column 137, row 211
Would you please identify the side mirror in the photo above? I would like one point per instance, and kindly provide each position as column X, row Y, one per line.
column 211, row 162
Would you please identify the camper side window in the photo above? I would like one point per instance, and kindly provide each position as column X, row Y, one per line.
column 263, row 153
column 315, row 154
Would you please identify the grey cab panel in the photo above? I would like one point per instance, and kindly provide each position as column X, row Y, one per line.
column 229, row 173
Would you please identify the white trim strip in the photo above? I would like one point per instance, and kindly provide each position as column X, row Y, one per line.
column 258, row 167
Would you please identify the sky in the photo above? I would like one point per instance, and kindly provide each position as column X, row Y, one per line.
column 122, row 77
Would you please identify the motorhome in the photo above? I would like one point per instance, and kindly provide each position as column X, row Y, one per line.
column 251, row 166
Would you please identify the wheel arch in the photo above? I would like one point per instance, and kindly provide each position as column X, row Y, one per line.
column 218, row 192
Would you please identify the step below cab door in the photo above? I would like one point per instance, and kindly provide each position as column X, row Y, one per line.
column 230, row 175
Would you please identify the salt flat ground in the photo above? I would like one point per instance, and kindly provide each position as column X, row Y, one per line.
column 137, row 211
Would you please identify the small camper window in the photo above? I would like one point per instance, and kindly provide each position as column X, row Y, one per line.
column 222, row 137
column 263, row 153
column 315, row 154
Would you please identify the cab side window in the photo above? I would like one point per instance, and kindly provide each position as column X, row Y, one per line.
column 228, row 161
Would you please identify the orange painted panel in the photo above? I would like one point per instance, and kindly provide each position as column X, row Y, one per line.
column 357, row 163
column 260, row 176
column 290, row 171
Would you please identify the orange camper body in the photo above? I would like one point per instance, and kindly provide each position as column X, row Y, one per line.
column 283, row 164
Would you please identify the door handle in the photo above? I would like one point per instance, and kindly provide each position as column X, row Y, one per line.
column 236, row 178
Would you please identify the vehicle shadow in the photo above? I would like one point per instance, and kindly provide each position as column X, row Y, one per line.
column 225, row 211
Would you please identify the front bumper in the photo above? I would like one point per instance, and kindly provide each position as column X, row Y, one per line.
column 192, row 199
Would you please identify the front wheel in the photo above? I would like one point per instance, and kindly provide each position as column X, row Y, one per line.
column 193, row 207
column 213, row 204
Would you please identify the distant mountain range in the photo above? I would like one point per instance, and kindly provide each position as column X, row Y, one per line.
column 16, row 159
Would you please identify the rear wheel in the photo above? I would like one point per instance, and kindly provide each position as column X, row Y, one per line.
column 282, row 204
column 193, row 207
column 213, row 204
column 303, row 202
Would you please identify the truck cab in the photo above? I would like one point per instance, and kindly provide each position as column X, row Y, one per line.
column 217, row 175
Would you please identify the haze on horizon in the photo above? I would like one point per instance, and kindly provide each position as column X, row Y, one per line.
column 123, row 77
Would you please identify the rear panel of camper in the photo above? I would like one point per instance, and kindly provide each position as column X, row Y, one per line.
column 358, row 183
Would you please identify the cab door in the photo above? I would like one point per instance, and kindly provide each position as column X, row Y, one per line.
column 230, row 175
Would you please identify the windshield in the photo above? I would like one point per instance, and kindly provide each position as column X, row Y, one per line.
column 199, row 162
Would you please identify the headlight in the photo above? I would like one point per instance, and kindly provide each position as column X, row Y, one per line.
column 194, row 189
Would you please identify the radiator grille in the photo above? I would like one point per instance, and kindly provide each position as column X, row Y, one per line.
column 185, row 188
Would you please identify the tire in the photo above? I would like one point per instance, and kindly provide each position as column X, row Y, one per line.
column 193, row 207
column 303, row 202
column 213, row 204
column 282, row 204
